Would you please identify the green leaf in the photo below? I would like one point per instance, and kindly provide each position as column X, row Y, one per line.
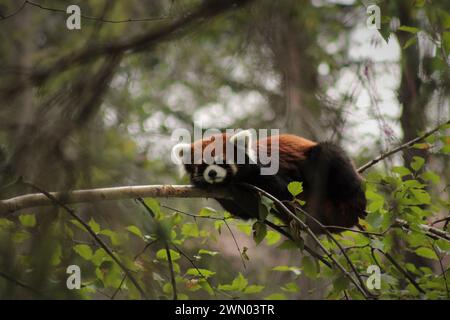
column 375, row 206
column 443, row 245
column 245, row 227
column 190, row 230
column 84, row 251
column 377, row 244
column 296, row 270
column 430, row 176
column 5, row 223
column 116, row 238
column 410, row 42
column 263, row 211
column 208, row 252
column 426, row 253
column 135, row 230
column 419, row 3
column 27, row 220
column 295, row 188
column 374, row 219
column 290, row 287
column 417, row 163
column 56, row 256
column 310, row 267
column 94, row 225
column 409, row 29
column 207, row 212
column 388, row 279
column 372, row 195
column 162, row 255
column 20, row 236
column 100, row 256
column 402, row 171
column 446, row 149
column 218, row 225
column 253, row 289
column 259, row 231
column 272, row 237
column 275, row 296
column 154, row 206
column 239, row 283
column 288, row 245
column 200, row 272
column 340, row 283
column 421, row 195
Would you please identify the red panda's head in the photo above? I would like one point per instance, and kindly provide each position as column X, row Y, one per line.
column 218, row 159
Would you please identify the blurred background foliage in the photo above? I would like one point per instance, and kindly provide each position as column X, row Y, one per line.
column 311, row 68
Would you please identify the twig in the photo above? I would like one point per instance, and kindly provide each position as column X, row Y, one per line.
column 236, row 243
column 125, row 276
column 403, row 271
column 21, row 284
column 63, row 11
column 172, row 273
column 344, row 253
column 400, row 148
column 446, row 219
column 195, row 216
column 166, row 246
column 15, row 12
column 93, row 234
column 307, row 248
column 429, row 231
column 209, row 9
column 442, row 269
column 200, row 272
column 312, row 235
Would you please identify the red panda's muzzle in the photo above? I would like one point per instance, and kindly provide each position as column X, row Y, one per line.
column 211, row 174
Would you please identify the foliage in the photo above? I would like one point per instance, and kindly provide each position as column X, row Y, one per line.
column 401, row 194
column 65, row 133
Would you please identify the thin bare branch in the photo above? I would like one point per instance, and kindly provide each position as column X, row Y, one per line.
column 74, row 215
column 400, row 148
column 82, row 16
column 21, row 284
column 204, row 12
column 312, row 235
column 166, row 247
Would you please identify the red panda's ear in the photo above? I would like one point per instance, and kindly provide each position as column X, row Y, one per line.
column 178, row 152
column 247, row 137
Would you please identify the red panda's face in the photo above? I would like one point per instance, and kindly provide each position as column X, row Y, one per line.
column 214, row 161
column 204, row 174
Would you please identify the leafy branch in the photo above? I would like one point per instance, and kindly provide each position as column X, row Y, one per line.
column 401, row 147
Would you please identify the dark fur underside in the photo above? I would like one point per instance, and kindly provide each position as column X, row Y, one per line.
column 332, row 188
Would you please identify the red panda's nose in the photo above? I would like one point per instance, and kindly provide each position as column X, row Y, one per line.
column 212, row 174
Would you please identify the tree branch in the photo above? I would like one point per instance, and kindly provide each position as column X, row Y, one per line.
column 209, row 9
column 94, row 235
column 114, row 193
column 400, row 148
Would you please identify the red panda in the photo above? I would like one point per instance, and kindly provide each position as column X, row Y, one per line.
column 332, row 189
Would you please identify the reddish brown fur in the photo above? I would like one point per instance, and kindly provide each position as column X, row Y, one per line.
column 203, row 143
column 293, row 154
column 291, row 149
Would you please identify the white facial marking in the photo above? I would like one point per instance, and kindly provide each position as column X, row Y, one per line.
column 214, row 174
